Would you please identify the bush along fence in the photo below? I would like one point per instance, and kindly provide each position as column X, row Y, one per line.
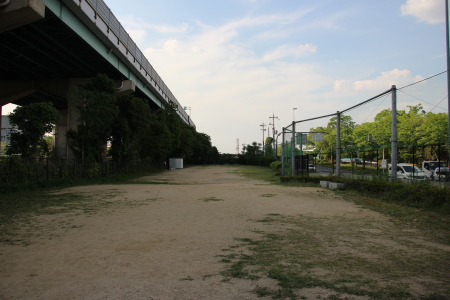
column 20, row 173
column 419, row 194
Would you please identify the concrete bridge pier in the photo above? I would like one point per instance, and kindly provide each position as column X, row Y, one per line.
column 63, row 94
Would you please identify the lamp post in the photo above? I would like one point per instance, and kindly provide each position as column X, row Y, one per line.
column 273, row 133
column 263, row 129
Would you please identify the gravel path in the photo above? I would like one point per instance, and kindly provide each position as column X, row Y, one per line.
column 154, row 241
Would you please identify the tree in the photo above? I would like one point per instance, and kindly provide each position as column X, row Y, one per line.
column 329, row 144
column 97, row 112
column 364, row 134
column 130, row 128
column 33, row 121
column 157, row 144
column 434, row 129
column 409, row 122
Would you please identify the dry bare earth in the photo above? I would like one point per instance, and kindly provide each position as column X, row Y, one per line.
column 181, row 239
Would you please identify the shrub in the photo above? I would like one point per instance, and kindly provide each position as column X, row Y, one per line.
column 420, row 194
column 275, row 165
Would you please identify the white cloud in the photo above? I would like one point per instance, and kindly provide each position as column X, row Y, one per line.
column 133, row 23
column 381, row 83
column 289, row 51
column 170, row 29
column 223, row 81
column 430, row 11
column 137, row 35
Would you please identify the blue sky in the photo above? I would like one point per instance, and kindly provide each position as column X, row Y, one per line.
column 236, row 62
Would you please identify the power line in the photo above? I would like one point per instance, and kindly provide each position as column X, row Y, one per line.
column 438, row 104
column 421, row 80
column 375, row 108
column 423, row 100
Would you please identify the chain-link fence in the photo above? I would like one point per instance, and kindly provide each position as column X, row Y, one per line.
column 17, row 171
column 362, row 141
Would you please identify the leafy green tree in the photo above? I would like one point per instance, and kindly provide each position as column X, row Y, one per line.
column 382, row 127
column 135, row 132
column 130, row 128
column 202, row 148
column 33, row 121
column 98, row 110
column 434, row 129
column 157, row 145
column 215, row 155
column 268, row 140
column 328, row 146
column 174, row 124
column 364, row 134
column 408, row 123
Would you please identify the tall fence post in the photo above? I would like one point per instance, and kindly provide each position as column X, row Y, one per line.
column 293, row 150
column 447, row 46
column 394, row 142
column 283, row 156
column 338, row 144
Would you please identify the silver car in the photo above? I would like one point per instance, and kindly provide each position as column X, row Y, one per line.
column 441, row 174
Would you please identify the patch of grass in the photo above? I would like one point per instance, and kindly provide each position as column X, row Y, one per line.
column 268, row 195
column 351, row 256
column 210, row 199
column 434, row 222
column 255, row 172
column 18, row 211
column 188, row 278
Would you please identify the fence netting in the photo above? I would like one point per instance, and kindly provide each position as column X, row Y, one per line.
column 364, row 148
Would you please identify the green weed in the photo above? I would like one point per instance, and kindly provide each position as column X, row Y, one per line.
column 211, row 199
column 338, row 254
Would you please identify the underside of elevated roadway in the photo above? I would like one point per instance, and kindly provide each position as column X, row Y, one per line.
column 46, row 51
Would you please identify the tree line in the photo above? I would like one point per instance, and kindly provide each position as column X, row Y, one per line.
column 415, row 127
column 126, row 123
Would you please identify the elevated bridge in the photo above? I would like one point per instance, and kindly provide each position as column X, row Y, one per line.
column 49, row 47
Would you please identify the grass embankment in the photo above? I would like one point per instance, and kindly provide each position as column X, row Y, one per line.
column 406, row 256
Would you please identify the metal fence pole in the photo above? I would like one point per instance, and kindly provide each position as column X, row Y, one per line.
column 283, row 156
column 338, row 144
column 448, row 75
column 394, row 142
column 293, row 150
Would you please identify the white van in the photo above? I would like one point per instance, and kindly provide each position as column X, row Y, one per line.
column 408, row 171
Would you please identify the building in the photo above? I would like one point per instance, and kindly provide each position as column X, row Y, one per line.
column 6, row 129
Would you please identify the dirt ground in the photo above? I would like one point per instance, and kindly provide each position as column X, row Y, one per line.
column 156, row 241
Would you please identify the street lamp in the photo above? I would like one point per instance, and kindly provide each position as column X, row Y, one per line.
column 263, row 129
column 273, row 132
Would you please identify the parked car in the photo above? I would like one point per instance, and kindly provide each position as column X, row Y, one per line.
column 408, row 171
column 428, row 166
column 441, row 174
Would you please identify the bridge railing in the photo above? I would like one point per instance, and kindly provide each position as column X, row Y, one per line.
column 102, row 11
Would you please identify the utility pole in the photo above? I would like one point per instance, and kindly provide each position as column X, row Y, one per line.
column 273, row 133
column 448, row 75
column 263, row 129
column 394, row 142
